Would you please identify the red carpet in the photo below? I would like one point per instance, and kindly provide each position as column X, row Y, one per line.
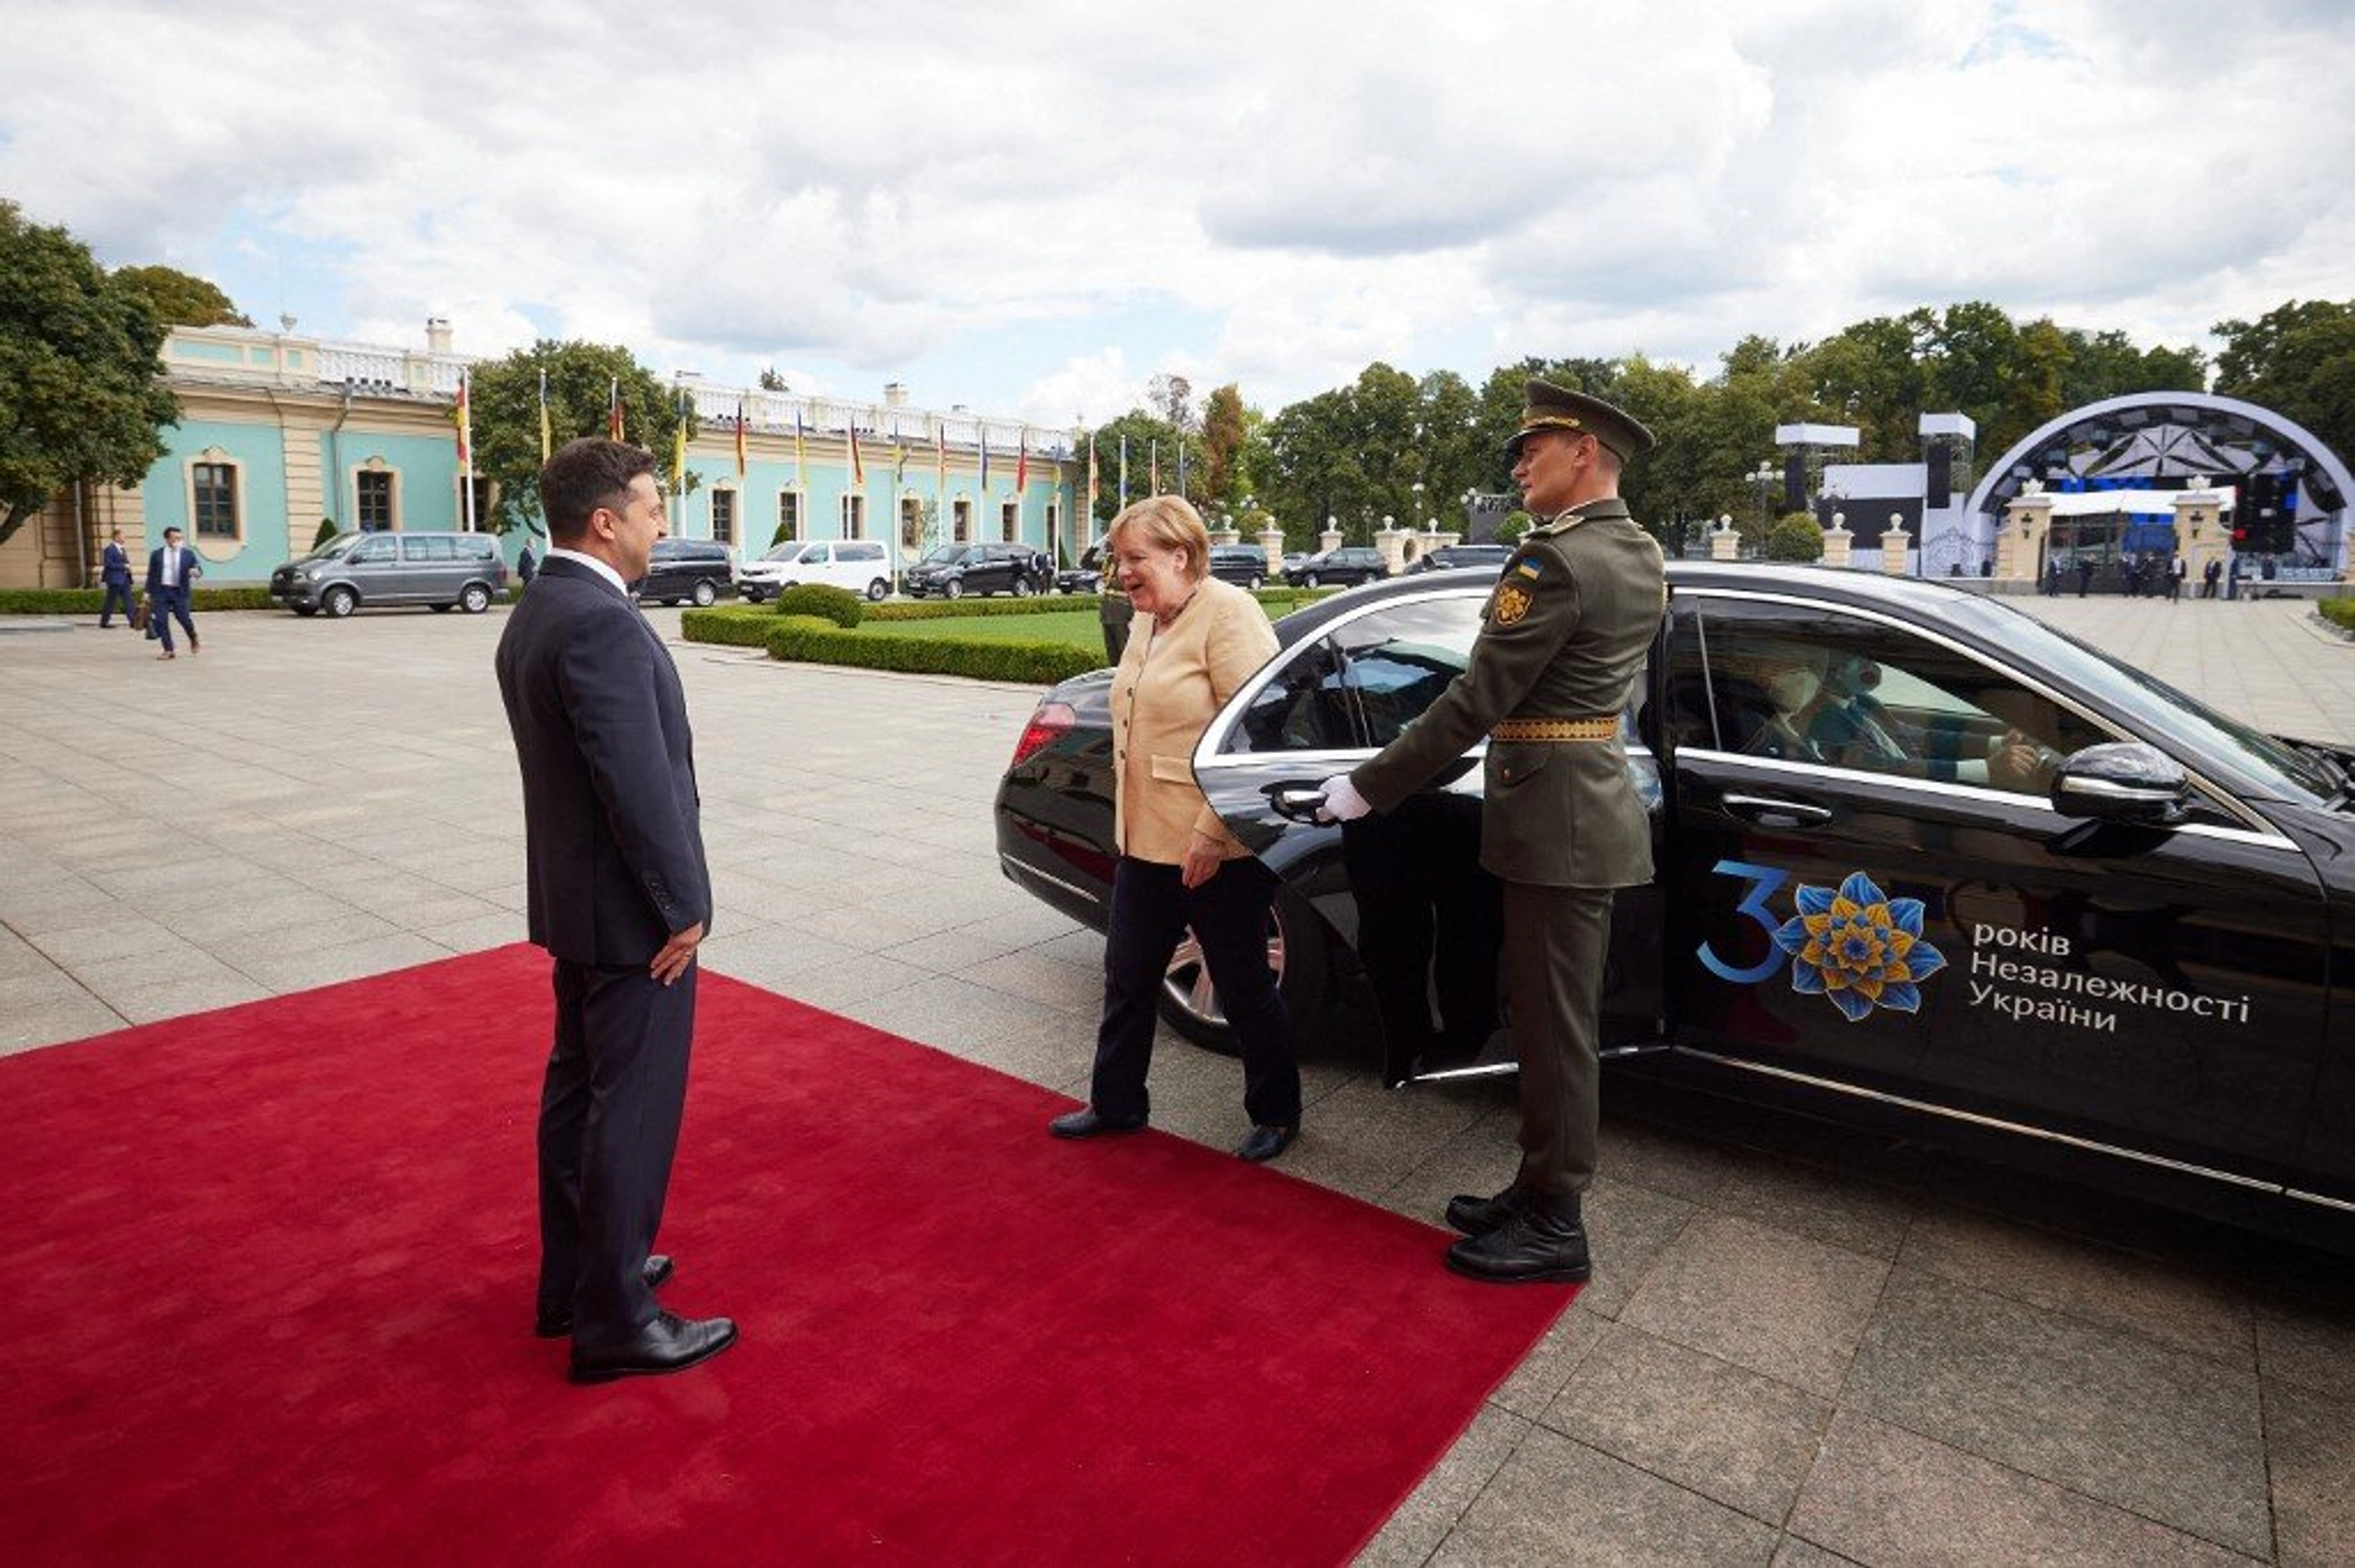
column 273, row 1278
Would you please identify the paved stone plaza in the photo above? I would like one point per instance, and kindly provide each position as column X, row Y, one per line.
column 1800, row 1348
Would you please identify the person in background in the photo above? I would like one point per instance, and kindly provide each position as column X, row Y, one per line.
column 2178, row 569
column 114, row 573
column 1198, row 639
column 172, row 571
column 1114, row 613
column 526, row 566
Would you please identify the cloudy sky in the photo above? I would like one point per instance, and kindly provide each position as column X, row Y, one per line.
column 1031, row 209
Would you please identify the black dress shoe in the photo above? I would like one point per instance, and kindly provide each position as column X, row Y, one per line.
column 1476, row 1216
column 1263, row 1142
column 669, row 1344
column 1085, row 1123
column 555, row 1323
column 1543, row 1244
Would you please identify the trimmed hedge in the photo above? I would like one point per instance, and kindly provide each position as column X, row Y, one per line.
column 87, row 600
column 807, row 640
column 1276, row 601
column 731, row 625
column 839, row 605
column 2340, row 611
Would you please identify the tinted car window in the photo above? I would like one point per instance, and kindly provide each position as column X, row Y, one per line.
column 478, row 548
column 1849, row 692
column 371, row 550
column 860, row 553
column 428, row 547
column 1303, row 708
column 1397, row 660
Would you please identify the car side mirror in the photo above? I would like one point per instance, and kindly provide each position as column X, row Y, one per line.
column 2122, row 781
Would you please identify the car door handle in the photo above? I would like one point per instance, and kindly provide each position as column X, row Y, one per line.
column 1301, row 803
column 1769, row 812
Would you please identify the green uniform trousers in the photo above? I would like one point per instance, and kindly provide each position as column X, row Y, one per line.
column 1555, row 939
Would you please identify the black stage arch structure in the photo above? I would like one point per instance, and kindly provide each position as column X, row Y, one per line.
column 2290, row 491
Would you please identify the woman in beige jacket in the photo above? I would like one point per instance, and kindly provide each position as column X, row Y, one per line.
column 1195, row 640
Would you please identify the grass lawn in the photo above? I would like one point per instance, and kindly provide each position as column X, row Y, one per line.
column 1077, row 627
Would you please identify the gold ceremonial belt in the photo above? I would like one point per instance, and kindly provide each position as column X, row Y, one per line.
column 1605, row 727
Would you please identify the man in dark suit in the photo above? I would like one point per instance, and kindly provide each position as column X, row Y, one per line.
column 114, row 572
column 1561, row 827
column 620, row 897
column 172, row 571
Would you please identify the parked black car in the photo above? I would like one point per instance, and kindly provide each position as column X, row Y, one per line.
column 1338, row 568
column 1449, row 557
column 1085, row 577
column 695, row 569
column 1244, row 566
column 953, row 571
column 2039, row 901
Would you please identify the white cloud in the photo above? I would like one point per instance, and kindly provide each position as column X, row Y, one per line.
column 1008, row 193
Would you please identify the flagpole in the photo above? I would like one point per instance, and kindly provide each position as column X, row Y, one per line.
column 466, row 447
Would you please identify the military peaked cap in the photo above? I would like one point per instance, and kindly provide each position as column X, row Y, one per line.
column 1551, row 408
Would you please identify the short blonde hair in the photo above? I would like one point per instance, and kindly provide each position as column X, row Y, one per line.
column 1170, row 523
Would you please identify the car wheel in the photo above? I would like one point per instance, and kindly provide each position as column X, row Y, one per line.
column 339, row 601
column 1309, row 580
column 954, row 591
column 751, row 595
column 1257, row 581
column 877, row 591
column 475, row 599
column 1021, row 588
column 703, row 594
column 1295, row 952
column 306, row 611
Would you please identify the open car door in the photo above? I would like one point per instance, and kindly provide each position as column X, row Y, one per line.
column 1403, row 892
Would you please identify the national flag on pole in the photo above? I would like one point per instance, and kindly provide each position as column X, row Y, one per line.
column 985, row 462
column 801, row 452
column 740, row 439
column 465, row 428
column 613, row 411
column 940, row 462
column 1181, row 467
column 679, row 449
column 1022, row 463
column 548, row 431
column 898, row 457
column 1153, row 466
column 1088, row 508
column 853, row 462
column 1124, row 471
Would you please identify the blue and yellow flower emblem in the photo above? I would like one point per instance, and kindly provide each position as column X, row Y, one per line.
column 1858, row 948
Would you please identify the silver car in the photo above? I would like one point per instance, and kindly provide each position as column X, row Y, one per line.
column 437, row 570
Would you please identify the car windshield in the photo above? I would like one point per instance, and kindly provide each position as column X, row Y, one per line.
column 788, row 551
column 2287, row 772
column 336, row 548
column 945, row 555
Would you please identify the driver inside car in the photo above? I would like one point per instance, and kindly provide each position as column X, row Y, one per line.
column 1849, row 727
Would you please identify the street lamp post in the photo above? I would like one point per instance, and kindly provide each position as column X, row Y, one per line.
column 1764, row 477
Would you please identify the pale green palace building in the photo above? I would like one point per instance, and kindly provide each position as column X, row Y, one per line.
column 279, row 431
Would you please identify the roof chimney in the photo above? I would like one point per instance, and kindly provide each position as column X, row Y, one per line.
column 437, row 335
column 895, row 394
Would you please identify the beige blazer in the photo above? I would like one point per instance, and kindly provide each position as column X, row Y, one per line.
column 1169, row 687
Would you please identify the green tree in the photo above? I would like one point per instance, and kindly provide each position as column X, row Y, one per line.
column 1147, row 436
column 1796, row 537
column 580, row 378
column 82, row 395
column 2299, row 360
column 181, row 298
column 1223, row 433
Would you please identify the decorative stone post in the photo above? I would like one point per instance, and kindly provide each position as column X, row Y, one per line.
column 2019, row 544
column 1893, row 545
column 1839, row 544
column 1725, row 545
column 1271, row 540
column 1225, row 534
column 1329, row 538
column 2200, row 532
column 1392, row 542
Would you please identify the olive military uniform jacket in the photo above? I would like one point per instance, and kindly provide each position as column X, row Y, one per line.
column 1561, row 639
column 1170, row 684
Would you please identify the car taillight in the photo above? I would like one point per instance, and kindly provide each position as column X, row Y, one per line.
column 1050, row 723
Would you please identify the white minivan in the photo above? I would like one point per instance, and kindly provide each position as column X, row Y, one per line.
column 862, row 565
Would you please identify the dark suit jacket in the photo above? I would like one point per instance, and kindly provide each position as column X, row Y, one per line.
column 190, row 569
column 613, row 829
column 115, row 565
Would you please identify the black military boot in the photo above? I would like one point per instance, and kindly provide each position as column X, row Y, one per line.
column 1545, row 1243
column 1476, row 1216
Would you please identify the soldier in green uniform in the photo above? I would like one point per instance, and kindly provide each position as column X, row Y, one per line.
column 1561, row 826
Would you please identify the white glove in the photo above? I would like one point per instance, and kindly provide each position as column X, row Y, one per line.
column 1343, row 801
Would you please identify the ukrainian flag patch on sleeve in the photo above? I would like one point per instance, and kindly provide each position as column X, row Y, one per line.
column 1527, row 567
